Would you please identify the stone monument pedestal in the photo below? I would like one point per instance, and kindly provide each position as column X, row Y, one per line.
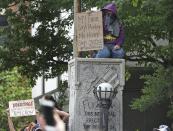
column 84, row 75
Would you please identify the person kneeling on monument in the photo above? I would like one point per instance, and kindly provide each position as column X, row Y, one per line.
column 113, row 34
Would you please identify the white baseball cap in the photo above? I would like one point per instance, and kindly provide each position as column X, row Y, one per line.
column 163, row 128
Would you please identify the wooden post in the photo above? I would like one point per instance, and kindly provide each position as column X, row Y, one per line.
column 77, row 9
column 43, row 84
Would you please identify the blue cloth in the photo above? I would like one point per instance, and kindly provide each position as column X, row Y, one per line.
column 108, row 51
column 3, row 21
column 37, row 127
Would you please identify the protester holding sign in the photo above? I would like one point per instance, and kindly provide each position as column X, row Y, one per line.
column 28, row 127
column 113, row 34
column 22, row 108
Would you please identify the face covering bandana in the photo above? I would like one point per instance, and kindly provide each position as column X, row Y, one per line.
column 111, row 24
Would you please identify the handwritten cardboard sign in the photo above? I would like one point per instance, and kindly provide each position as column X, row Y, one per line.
column 89, row 31
column 22, row 108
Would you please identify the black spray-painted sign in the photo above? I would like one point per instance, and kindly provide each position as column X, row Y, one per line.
column 89, row 31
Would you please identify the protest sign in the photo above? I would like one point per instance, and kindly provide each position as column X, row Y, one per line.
column 22, row 108
column 89, row 31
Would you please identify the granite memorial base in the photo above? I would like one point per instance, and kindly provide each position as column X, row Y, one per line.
column 84, row 75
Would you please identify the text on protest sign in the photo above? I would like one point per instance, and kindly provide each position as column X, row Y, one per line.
column 89, row 31
column 22, row 108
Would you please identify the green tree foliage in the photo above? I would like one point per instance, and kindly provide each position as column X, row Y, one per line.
column 49, row 49
column 156, row 89
column 12, row 87
column 148, row 25
column 149, row 41
column 62, row 97
column 145, row 22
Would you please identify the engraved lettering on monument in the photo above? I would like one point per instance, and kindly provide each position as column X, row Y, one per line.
column 89, row 113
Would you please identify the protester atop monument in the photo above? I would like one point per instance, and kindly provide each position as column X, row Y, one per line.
column 113, row 33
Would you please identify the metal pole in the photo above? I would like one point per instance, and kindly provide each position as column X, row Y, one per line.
column 104, row 114
column 77, row 9
column 104, row 119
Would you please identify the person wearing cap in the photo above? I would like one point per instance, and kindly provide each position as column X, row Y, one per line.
column 113, row 34
column 162, row 128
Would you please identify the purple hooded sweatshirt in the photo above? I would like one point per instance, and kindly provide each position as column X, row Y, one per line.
column 113, row 29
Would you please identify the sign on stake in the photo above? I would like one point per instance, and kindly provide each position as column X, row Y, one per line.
column 89, row 31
